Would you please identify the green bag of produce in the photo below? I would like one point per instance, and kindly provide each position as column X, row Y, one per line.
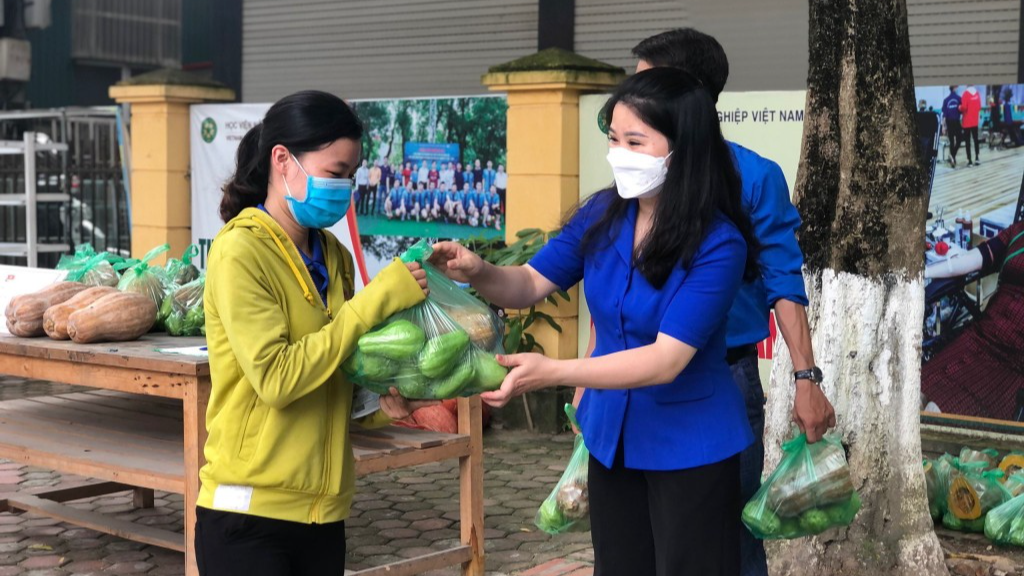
column 1004, row 524
column 441, row 348
column 1014, row 484
column 90, row 267
column 181, row 313
column 141, row 278
column 567, row 507
column 989, row 457
column 810, row 492
column 973, row 492
column 181, row 271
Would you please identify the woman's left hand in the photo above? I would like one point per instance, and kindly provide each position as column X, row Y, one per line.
column 529, row 372
column 398, row 407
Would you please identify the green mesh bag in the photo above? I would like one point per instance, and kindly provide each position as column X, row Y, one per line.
column 810, row 492
column 567, row 507
column 441, row 348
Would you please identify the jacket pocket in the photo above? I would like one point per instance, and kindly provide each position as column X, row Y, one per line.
column 684, row 391
column 252, row 425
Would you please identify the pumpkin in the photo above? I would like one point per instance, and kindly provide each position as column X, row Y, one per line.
column 55, row 320
column 116, row 317
column 25, row 313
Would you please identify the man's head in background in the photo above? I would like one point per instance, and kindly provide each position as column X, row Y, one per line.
column 690, row 50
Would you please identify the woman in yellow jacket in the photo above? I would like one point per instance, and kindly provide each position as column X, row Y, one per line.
column 281, row 317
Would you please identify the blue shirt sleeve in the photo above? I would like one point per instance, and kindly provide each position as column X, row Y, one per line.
column 561, row 259
column 701, row 305
column 776, row 222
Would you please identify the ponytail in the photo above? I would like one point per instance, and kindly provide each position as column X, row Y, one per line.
column 247, row 188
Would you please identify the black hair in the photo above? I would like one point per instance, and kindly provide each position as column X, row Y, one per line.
column 952, row 88
column 303, row 122
column 701, row 182
column 690, row 50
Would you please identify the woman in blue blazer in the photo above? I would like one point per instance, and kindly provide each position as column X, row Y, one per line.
column 663, row 254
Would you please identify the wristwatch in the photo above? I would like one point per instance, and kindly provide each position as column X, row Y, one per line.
column 813, row 374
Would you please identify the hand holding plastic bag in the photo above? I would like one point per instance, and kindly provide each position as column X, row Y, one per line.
column 810, row 492
column 567, row 508
column 441, row 348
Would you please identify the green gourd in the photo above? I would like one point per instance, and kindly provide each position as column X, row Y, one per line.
column 451, row 385
column 489, row 374
column 374, row 368
column 399, row 340
column 439, row 354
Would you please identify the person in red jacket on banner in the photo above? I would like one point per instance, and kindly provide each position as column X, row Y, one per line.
column 970, row 107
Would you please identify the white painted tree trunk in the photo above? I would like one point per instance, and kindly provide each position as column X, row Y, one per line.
column 867, row 341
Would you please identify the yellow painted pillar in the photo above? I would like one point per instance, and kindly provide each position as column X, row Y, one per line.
column 543, row 155
column 160, row 192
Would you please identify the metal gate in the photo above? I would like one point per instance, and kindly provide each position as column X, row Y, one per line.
column 90, row 172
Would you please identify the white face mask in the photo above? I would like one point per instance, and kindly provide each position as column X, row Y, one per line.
column 637, row 175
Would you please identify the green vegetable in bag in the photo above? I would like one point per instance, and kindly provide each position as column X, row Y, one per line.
column 399, row 340
column 181, row 312
column 182, row 271
column 450, row 386
column 810, row 492
column 90, row 267
column 1005, row 523
column 989, row 457
column 371, row 367
column 440, row 353
column 442, row 348
column 141, row 278
column 973, row 492
column 1015, row 484
column 567, row 507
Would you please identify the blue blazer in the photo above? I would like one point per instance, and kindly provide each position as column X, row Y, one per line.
column 697, row 419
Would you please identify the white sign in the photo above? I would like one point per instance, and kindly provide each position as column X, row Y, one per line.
column 18, row 280
column 216, row 130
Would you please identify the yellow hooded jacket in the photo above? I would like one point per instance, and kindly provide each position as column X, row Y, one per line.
column 279, row 411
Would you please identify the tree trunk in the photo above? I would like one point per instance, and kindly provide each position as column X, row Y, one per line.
column 860, row 191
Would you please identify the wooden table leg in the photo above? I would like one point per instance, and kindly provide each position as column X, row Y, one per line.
column 197, row 396
column 471, row 485
column 142, row 497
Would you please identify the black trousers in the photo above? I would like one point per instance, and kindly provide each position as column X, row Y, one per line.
column 675, row 523
column 970, row 133
column 230, row 544
column 955, row 133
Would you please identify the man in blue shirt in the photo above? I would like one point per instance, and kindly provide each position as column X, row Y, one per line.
column 781, row 286
column 954, row 130
column 489, row 175
column 394, row 200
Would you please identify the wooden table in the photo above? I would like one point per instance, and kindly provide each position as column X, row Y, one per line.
column 143, row 429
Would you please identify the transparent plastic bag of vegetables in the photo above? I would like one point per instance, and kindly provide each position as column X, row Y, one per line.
column 1004, row 524
column 989, row 457
column 441, row 348
column 90, row 267
column 973, row 492
column 1011, row 464
column 932, row 487
column 141, row 278
column 567, row 507
column 181, row 271
column 181, row 313
column 810, row 492
column 1014, row 484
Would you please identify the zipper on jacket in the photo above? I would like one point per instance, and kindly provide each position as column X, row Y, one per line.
column 314, row 516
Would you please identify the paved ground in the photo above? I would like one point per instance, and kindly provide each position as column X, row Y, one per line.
column 396, row 514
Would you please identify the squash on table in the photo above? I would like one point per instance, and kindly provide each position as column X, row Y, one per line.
column 55, row 320
column 113, row 318
column 25, row 313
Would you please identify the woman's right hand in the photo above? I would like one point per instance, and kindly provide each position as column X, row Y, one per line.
column 420, row 275
column 456, row 261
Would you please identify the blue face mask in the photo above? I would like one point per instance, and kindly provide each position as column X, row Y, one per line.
column 327, row 200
